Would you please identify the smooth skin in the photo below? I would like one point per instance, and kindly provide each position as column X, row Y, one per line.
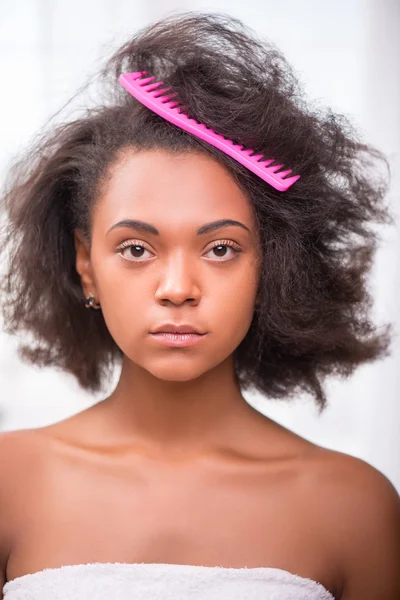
column 175, row 466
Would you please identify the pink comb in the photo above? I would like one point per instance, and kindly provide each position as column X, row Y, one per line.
column 151, row 95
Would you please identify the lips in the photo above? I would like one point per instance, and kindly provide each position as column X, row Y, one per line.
column 173, row 328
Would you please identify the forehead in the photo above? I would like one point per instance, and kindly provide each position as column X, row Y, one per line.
column 170, row 189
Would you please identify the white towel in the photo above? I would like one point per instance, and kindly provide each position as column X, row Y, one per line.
column 157, row 581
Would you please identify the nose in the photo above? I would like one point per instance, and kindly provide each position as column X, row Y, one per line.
column 178, row 281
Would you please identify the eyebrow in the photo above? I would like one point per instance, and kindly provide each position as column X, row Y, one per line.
column 206, row 228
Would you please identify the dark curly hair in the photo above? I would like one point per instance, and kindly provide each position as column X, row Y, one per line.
column 316, row 247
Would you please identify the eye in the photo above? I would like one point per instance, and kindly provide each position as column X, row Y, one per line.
column 224, row 244
column 133, row 252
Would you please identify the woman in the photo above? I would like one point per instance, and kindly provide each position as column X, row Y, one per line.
column 132, row 242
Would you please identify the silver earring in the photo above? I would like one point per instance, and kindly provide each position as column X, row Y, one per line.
column 90, row 303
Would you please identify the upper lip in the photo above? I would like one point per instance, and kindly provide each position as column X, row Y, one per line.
column 173, row 328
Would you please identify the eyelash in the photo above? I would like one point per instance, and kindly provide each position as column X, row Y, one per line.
column 132, row 243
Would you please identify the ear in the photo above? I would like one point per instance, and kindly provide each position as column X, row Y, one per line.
column 83, row 263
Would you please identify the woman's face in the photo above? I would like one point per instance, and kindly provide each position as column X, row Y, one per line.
column 180, row 275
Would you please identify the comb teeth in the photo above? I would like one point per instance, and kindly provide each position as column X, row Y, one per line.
column 154, row 95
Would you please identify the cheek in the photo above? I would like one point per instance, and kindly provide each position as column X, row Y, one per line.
column 235, row 316
column 232, row 307
column 127, row 311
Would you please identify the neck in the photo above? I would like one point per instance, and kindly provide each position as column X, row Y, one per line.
column 177, row 416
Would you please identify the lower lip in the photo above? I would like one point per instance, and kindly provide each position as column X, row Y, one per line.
column 177, row 339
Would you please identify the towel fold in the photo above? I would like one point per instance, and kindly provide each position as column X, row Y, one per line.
column 157, row 581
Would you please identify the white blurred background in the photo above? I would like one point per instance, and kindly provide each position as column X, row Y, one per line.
column 346, row 53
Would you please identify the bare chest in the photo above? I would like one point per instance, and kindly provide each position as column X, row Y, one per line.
column 199, row 514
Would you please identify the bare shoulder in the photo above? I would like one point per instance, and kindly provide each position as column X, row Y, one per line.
column 18, row 448
column 362, row 518
column 23, row 454
column 20, row 453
